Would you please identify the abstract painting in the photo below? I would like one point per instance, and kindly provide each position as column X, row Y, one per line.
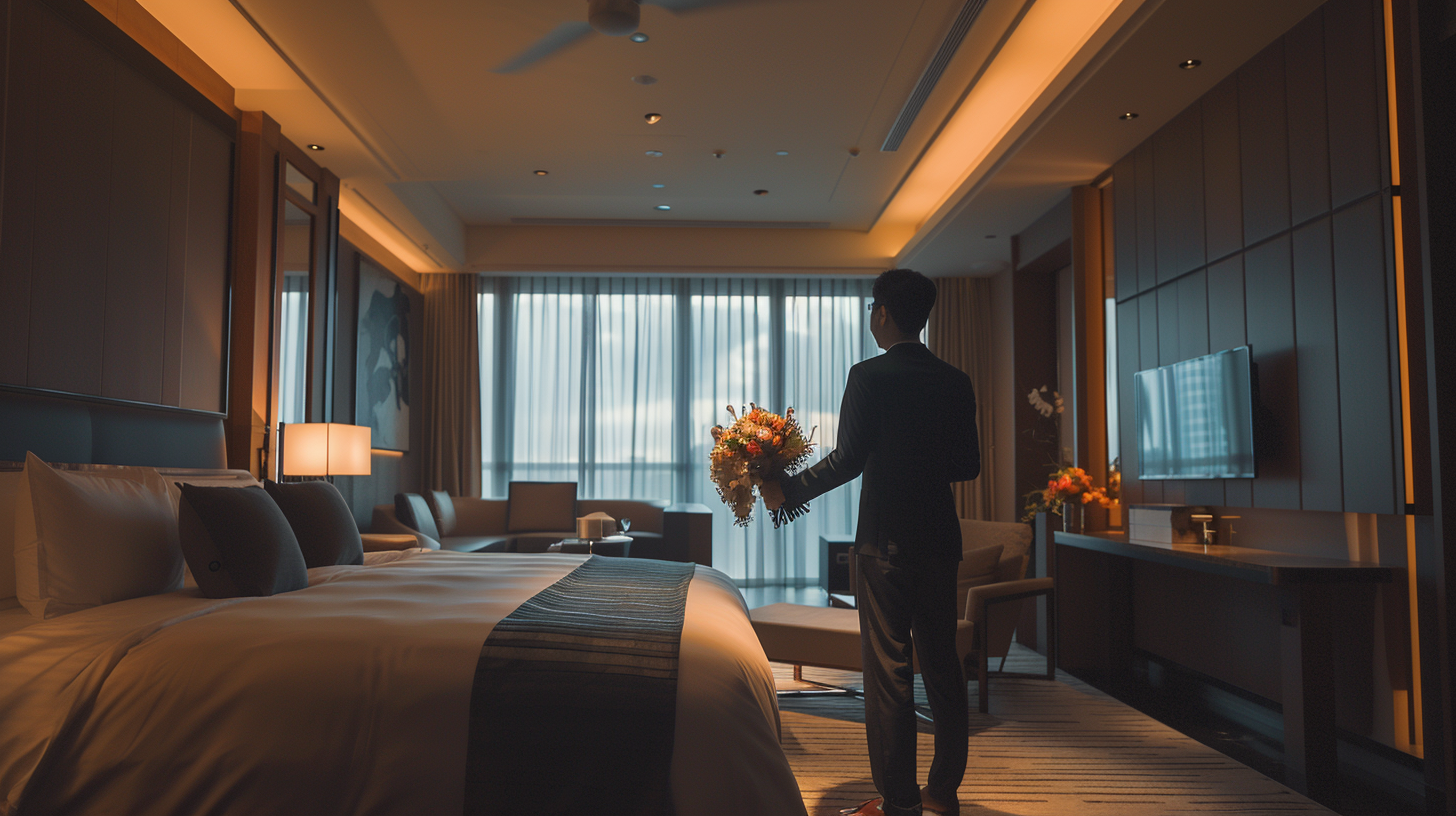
column 381, row 376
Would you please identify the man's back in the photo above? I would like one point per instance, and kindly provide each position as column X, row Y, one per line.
column 908, row 423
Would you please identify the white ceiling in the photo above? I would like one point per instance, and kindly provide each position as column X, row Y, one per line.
column 438, row 151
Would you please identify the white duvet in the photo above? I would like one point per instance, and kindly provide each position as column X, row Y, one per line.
column 350, row 696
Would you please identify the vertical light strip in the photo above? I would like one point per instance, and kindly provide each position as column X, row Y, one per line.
column 1416, row 729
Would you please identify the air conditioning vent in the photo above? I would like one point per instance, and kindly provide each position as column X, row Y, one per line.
column 928, row 80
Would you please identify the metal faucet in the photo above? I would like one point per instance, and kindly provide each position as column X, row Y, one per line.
column 1206, row 520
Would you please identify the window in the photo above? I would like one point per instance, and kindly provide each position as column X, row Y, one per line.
column 614, row 383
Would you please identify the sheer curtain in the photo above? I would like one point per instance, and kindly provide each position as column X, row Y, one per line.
column 293, row 349
column 614, row 383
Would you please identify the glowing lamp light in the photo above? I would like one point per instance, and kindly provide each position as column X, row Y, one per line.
column 325, row 449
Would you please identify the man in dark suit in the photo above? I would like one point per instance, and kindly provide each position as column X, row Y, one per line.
column 908, row 423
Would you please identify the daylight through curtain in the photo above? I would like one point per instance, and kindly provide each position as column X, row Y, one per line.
column 614, row 383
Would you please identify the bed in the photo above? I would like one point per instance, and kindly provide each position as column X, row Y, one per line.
column 352, row 695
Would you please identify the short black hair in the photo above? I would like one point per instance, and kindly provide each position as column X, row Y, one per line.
column 908, row 296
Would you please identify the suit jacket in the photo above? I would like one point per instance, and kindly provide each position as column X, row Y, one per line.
column 908, row 423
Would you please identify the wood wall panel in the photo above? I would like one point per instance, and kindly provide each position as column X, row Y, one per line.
column 1367, row 430
column 137, row 241
column 1147, row 217
column 1223, row 198
column 1127, row 364
column 1226, row 321
column 1148, row 358
column 1124, row 241
column 1178, row 159
column 68, row 278
column 204, row 333
column 1269, row 301
column 1309, row 143
column 17, row 219
column 1321, row 481
column 116, row 211
column 1354, row 75
column 1264, row 145
column 181, row 126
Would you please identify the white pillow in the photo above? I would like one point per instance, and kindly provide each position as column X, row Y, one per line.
column 84, row 539
column 9, row 486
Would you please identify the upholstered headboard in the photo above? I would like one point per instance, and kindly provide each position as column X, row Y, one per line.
column 76, row 429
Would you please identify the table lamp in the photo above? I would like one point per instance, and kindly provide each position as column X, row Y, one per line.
column 325, row 449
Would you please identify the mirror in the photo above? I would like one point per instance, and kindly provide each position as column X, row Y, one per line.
column 295, row 266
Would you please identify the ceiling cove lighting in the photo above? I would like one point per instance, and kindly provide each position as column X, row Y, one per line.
column 315, row 147
column 662, row 207
column 639, row 37
column 1190, row 64
column 653, row 118
column 1127, row 117
column 1053, row 42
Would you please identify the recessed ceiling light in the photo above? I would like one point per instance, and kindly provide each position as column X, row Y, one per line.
column 662, row 207
column 653, row 118
column 760, row 192
column 1190, row 64
column 658, row 186
column 718, row 154
column 543, row 172
column 656, row 154
column 315, row 147
column 639, row 37
column 781, row 153
column 989, row 237
column 644, row 79
column 1127, row 116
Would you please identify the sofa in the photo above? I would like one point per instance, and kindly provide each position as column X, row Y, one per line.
column 535, row 515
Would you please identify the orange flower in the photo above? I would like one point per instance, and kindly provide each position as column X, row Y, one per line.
column 777, row 441
column 754, row 449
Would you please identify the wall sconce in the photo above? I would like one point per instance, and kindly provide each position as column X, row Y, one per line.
column 325, row 449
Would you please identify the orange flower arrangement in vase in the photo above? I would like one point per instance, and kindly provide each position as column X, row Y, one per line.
column 1067, row 485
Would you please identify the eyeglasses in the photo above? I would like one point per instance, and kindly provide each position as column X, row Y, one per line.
column 872, row 305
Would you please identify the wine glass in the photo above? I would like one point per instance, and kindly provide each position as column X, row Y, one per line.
column 623, row 525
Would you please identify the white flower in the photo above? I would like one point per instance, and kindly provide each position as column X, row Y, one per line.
column 1039, row 402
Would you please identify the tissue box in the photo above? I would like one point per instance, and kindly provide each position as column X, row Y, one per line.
column 596, row 525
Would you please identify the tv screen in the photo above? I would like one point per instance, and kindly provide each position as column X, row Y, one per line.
column 1195, row 419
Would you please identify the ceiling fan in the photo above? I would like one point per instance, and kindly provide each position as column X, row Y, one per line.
column 614, row 18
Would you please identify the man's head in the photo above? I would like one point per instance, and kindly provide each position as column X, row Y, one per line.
column 902, row 302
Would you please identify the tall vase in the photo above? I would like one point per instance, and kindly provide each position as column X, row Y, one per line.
column 1071, row 517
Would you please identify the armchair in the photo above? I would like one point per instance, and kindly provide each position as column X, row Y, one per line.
column 993, row 586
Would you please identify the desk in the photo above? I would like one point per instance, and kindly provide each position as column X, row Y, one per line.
column 1307, row 594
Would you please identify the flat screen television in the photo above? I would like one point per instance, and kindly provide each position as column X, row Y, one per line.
column 1195, row 419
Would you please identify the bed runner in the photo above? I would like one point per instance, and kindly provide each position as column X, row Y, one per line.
column 575, row 695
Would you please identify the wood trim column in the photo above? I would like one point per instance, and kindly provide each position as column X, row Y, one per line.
column 252, row 400
column 1091, row 375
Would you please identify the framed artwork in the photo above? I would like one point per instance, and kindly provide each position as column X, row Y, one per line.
column 381, row 374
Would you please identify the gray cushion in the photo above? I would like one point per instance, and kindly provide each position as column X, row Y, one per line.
column 537, row 506
column 414, row 513
column 442, row 507
column 238, row 543
column 321, row 521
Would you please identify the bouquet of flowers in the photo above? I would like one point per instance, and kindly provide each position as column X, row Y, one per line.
column 759, row 445
column 1064, row 485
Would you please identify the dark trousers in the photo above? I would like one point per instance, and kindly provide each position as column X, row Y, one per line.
column 898, row 605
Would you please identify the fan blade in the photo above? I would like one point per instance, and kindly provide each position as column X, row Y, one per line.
column 694, row 5
column 560, row 38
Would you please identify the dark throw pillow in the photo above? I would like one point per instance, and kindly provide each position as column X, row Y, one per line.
column 238, row 543
column 321, row 521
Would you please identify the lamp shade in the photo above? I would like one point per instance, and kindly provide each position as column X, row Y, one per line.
column 325, row 449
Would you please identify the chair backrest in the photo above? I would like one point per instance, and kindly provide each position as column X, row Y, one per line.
column 442, row 507
column 1014, row 538
column 413, row 512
